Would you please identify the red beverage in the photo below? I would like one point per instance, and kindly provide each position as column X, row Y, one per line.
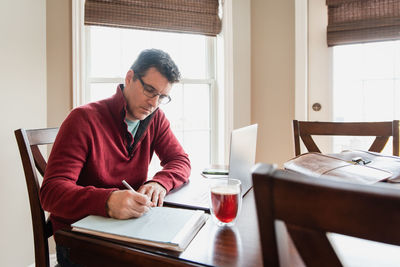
column 225, row 202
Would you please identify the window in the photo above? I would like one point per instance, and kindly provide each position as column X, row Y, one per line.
column 366, row 86
column 353, row 82
column 111, row 51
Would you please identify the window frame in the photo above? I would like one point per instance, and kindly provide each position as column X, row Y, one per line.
column 314, row 64
column 221, row 121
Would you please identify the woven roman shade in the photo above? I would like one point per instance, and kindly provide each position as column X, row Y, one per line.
column 359, row 21
column 187, row 16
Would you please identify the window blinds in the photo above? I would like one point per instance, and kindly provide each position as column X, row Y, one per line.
column 185, row 16
column 358, row 21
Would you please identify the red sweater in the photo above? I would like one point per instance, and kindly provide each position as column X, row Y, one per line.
column 94, row 152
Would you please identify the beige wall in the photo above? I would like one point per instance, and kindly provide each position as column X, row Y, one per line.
column 23, row 105
column 59, row 65
column 59, row 61
column 241, row 36
column 272, row 77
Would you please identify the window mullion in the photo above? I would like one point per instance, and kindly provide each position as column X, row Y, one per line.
column 86, row 89
column 214, row 100
column 78, row 53
column 105, row 80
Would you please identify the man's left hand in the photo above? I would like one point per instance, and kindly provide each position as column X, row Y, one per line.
column 155, row 191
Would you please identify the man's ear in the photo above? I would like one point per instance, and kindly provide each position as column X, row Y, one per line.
column 129, row 77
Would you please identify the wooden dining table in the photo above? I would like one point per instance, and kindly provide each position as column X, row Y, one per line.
column 220, row 246
column 213, row 245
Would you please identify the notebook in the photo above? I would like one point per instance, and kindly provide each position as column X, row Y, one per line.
column 163, row 227
column 195, row 194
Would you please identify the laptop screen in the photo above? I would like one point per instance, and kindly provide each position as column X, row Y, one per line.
column 242, row 158
column 243, row 155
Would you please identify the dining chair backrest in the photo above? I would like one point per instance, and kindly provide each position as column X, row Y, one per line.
column 32, row 160
column 311, row 206
column 304, row 130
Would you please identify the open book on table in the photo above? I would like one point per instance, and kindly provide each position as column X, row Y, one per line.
column 168, row 228
column 317, row 164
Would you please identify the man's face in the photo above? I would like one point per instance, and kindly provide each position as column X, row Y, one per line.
column 139, row 106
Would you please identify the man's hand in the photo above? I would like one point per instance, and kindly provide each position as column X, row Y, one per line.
column 125, row 204
column 155, row 191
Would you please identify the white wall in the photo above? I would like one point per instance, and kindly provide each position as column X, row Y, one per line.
column 23, row 104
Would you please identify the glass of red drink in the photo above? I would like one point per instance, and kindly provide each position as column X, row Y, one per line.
column 225, row 201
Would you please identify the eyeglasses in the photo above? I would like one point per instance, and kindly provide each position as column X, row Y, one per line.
column 151, row 92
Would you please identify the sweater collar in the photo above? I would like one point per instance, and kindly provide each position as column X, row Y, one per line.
column 118, row 106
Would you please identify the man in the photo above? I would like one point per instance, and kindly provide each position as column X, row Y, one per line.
column 105, row 142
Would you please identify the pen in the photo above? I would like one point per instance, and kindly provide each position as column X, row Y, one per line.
column 128, row 186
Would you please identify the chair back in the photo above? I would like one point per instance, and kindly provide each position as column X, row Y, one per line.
column 32, row 159
column 310, row 207
column 381, row 130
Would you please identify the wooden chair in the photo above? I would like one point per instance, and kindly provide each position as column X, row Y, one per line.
column 310, row 207
column 381, row 130
column 28, row 143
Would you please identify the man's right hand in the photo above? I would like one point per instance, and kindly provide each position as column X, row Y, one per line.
column 125, row 204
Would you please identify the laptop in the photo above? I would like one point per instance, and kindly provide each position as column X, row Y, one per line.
column 195, row 194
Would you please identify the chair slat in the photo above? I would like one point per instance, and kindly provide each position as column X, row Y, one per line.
column 379, row 143
column 396, row 141
column 309, row 143
column 380, row 130
column 309, row 243
column 42, row 136
column 40, row 162
column 346, row 128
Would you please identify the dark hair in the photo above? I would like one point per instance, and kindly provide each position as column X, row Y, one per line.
column 158, row 59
